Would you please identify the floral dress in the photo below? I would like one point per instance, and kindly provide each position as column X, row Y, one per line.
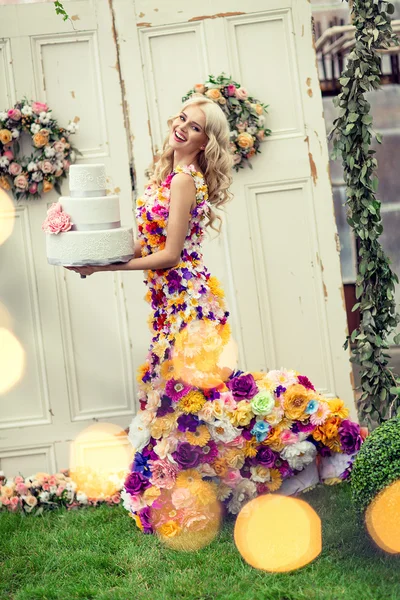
column 208, row 438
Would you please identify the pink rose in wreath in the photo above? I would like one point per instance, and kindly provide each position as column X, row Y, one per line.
column 241, row 93
column 14, row 169
column 21, row 182
column 56, row 221
column 14, row 114
column 39, row 107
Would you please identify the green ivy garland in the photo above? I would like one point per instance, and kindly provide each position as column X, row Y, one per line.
column 375, row 284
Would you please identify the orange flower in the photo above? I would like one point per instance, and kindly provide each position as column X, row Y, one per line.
column 141, row 372
column 295, row 401
column 192, row 402
column 47, row 186
column 41, row 138
column 214, row 94
column 167, row 370
column 5, row 136
column 328, row 432
column 169, row 529
column 276, row 480
column 273, row 440
column 220, row 467
column 4, row 183
column 200, row 437
column 245, row 140
column 250, row 448
column 338, row 408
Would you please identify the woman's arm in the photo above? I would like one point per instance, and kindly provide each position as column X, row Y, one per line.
column 183, row 192
column 181, row 200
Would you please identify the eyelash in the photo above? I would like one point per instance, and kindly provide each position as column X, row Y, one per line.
column 194, row 126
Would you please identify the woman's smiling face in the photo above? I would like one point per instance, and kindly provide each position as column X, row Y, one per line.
column 188, row 131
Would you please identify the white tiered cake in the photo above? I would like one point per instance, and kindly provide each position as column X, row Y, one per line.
column 85, row 227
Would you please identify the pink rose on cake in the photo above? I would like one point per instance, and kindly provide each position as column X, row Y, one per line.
column 56, row 221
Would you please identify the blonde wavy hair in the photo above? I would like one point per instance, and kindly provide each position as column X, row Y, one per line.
column 215, row 161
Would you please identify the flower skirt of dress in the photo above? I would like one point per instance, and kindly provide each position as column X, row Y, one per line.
column 209, row 437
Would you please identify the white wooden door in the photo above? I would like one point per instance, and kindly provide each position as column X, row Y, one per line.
column 278, row 257
column 76, row 333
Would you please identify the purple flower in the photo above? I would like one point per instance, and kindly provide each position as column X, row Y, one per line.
column 188, row 423
column 187, row 456
column 174, row 281
column 265, row 457
column 136, row 483
column 176, row 389
column 243, row 387
column 304, row 427
column 285, row 470
column 279, row 390
column 209, row 452
column 350, row 437
column 140, row 465
column 165, row 407
column 144, row 516
column 148, row 451
column 305, row 382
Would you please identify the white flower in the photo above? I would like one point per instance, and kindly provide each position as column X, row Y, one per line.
column 49, row 151
column 45, row 117
column 32, row 166
column 73, row 156
column 53, row 489
column 3, row 116
column 244, row 491
column 252, row 130
column 44, row 496
column 37, row 176
column 261, row 120
column 72, row 127
column 4, row 162
column 299, row 455
column 27, row 110
column 71, row 486
column 15, row 133
column 81, row 498
column 223, row 431
column 35, row 128
column 139, row 433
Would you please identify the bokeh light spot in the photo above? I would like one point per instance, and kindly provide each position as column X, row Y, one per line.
column 278, row 533
column 204, row 354
column 99, row 460
column 382, row 519
column 187, row 517
column 12, row 360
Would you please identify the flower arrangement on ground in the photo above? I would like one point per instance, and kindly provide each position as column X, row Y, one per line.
column 43, row 491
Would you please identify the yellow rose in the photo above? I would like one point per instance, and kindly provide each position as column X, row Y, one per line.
column 41, row 138
column 337, row 408
column 245, row 140
column 169, row 529
column 5, row 136
column 220, row 467
column 4, row 183
column 295, row 401
column 242, row 415
column 214, row 94
column 234, row 458
column 150, row 495
column 221, row 100
column 47, row 186
column 328, row 431
column 258, row 108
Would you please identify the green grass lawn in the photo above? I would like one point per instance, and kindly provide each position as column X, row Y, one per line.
column 97, row 553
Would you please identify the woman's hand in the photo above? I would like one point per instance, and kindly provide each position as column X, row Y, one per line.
column 89, row 270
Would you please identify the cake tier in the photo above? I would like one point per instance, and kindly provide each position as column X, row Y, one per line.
column 97, row 212
column 89, row 179
column 78, row 248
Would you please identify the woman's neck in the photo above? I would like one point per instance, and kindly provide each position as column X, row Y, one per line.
column 184, row 160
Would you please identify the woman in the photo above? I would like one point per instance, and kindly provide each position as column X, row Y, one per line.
column 203, row 431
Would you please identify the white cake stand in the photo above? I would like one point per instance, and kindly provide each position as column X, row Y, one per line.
column 91, row 262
